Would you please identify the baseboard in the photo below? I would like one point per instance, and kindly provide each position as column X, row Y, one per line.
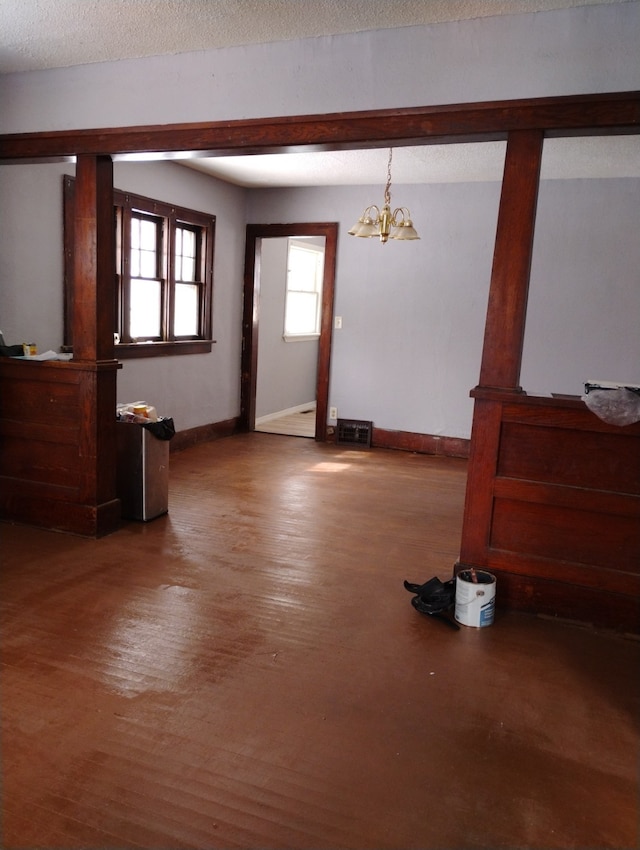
column 204, row 434
column 289, row 411
column 402, row 440
column 563, row 601
column 52, row 510
column 421, row 443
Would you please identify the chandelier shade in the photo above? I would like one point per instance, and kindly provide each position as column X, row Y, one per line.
column 382, row 222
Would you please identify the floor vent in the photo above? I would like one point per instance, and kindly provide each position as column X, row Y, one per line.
column 352, row 432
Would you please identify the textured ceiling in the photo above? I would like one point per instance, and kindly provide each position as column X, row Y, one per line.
column 41, row 34
column 613, row 156
column 46, row 34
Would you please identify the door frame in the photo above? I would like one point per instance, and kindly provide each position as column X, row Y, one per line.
column 251, row 317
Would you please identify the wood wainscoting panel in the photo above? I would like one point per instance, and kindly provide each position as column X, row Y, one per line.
column 600, row 460
column 554, row 508
column 573, row 536
column 54, row 419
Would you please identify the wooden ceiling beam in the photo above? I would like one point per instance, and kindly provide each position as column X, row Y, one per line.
column 599, row 114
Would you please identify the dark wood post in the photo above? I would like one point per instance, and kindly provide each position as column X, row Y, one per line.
column 506, row 312
column 504, row 334
column 94, row 260
column 250, row 325
column 93, row 347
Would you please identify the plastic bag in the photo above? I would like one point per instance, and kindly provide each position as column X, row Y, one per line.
column 11, row 351
column 614, row 406
column 434, row 598
column 163, row 428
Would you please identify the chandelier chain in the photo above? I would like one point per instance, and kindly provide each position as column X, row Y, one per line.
column 387, row 188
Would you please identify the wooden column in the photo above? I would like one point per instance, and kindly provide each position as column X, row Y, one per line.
column 504, row 336
column 93, row 328
column 506, row 312
column 94, row 262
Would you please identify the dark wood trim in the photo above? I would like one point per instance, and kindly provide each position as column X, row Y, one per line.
column 382, row 439
column 508, row 292
column 94, row 260
column 429, row 444
column 250, row 326
column 203, row 434
column 68, row 227
column 124, row 202
column 133, row 350
column 251, row 316
column 597, row 114
column 483, row 461
column 326, row 330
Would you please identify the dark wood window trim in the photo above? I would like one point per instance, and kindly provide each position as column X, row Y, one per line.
column 170, row 216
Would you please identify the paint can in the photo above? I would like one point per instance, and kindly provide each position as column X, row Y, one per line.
column 475, row 598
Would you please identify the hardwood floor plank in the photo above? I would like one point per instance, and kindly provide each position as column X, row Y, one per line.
column 247, row 671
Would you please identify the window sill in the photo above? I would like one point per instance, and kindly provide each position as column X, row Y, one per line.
column 126, row 351
column 300, row 337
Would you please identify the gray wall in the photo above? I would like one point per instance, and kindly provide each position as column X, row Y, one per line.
column 569, row 51
column 583, row 318
column 413, row 313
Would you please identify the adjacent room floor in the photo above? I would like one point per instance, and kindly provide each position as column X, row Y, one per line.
column 248, row 672
column 299, row 424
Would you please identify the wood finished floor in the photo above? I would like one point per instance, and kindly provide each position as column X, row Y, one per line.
column 302, row 424
column 248, row 672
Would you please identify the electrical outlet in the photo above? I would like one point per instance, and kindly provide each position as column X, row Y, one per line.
column 333, row 413
column 337, row 324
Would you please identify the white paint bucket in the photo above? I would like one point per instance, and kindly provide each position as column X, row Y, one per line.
column 475, row 600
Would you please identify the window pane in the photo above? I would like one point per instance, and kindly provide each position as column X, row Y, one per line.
column 144, row 247
column 135, row 247
column 186, row 310
column 188, row 243
column 148, row 264
column 304, row 267
column 301, row 313
column 187, row 270
column 185, row 254
column 148, row 235
column 145, row 309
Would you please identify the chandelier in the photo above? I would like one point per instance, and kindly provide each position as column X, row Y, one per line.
column 382, row 222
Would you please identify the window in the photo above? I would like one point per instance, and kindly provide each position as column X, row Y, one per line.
column 164, row 273
column 305, row 270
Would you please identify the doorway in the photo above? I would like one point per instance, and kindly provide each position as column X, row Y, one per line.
column 291, row 273
column 251, row 318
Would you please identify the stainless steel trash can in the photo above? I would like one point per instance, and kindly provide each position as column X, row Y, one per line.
column 143, row 472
